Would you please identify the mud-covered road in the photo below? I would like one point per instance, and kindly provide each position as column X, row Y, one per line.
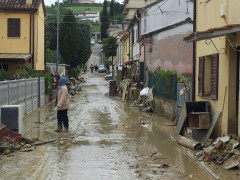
column 106, row 141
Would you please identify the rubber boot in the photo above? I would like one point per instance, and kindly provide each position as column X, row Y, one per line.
column 65, row 129
column 59, row 129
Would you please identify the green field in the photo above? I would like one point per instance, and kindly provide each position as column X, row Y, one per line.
column 86, row 8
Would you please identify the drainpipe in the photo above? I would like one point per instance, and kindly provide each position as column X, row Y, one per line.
column 194, row 52
column 33, row 41
column 37, row 40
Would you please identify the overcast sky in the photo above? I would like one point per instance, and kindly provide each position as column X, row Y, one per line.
column 49, row 2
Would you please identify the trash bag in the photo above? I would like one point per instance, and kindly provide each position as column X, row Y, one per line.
column 144, row 92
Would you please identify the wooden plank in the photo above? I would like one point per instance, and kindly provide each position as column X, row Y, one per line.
column 124, row 91
column 213, row 123
column 182, row 118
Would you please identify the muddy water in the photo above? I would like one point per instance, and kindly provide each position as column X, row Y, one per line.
column 106, row 141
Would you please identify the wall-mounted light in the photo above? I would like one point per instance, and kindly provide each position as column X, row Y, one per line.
column 223, row 11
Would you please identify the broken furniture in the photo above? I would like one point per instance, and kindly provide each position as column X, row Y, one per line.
column 191, row 107
column 199, row 120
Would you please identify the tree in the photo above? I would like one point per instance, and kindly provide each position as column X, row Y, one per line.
column 69, row 39
column 112, row 8
column 110, row 49
column 84, row 32
column 110, row 46
column 49, row 53
column 51, row 26
column 105, row 21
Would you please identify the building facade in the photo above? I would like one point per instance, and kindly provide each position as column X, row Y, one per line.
column 217, row 60
column 22, row 34
column 162, row 33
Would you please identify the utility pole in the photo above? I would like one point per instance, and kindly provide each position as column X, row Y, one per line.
column 57, row 60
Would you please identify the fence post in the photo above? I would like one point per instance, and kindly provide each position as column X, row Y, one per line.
column 39, row 91
column 18, row 92
column 32, row 92
column 8, row 92
column 25, row 96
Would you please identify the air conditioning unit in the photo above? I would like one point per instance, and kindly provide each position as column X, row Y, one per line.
column 12, row 117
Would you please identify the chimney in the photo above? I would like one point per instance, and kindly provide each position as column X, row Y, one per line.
column 29, row 2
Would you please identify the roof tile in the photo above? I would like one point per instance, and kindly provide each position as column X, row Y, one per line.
column 6, row 5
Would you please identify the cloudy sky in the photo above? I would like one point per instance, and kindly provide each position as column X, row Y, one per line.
column 49, row 2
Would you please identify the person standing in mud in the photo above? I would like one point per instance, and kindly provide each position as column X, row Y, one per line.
column 62, row 105
column 91, row 67
column 85, row 68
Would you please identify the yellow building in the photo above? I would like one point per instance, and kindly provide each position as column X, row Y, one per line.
column 130, row 7
column 125, row 40
column 217, row 60
column 22, row 34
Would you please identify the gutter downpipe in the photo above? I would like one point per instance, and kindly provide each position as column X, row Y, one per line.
column 30, row 35
column 194, row 51
column 33, row 40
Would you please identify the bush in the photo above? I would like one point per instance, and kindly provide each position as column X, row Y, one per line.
column 4, row 75
column 48, row 83
column 73, row 73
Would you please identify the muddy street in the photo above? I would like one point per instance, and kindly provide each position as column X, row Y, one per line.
column 105, row 141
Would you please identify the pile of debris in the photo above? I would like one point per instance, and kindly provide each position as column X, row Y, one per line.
column 223, row 151
column 11, row 141
column 145, row 100
column 195, row 126
column 74, row 86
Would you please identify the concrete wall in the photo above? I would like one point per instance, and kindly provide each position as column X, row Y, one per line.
column 164, row 107
column 169, row 51
column 172, row 12
column 167, row 48
column 209, row 16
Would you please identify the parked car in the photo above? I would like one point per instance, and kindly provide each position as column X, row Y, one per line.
column 108, row 77
column 101, row 69
column 99, row 41
column 92, row 41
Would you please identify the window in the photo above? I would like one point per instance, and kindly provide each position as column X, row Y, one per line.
column 208, row 76
column 13, row 27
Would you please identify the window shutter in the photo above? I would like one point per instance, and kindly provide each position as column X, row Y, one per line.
column 201, row 76
column 214, row 76
column 10, row 27
column 13, row 27
column 17, row 27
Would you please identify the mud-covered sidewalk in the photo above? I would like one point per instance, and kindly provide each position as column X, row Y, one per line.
column 106, row 141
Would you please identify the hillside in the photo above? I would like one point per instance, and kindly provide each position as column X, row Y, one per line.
column 85, row 8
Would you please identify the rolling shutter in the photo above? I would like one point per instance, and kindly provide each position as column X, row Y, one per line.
column 214, row 76
column 201, row 76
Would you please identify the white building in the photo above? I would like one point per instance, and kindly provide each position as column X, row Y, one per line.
column 89, row 15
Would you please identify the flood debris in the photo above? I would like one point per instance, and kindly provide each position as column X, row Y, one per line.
column 145, row 100
column 8, row 135
column 27, row 149
column 74, row 86
column 224, row 151
column 189, row 143
column 163, row 165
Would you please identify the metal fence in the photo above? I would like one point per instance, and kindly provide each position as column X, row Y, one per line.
column 185, row 97
column 30, row 93
column 165, row 87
